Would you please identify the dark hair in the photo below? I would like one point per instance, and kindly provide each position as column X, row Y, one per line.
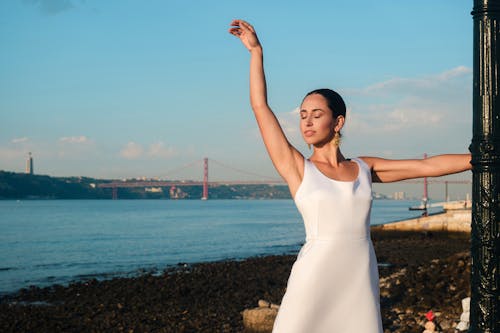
column 333, row 99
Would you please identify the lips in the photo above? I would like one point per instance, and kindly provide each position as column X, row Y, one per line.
column 309, row 133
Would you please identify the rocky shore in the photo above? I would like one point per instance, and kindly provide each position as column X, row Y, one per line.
column 419, row 272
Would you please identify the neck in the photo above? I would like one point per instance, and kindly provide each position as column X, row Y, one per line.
column 328, row 153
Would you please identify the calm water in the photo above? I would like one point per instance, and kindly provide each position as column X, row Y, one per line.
column 57, row 241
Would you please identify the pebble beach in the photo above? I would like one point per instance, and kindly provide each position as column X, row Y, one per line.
column 419, row 271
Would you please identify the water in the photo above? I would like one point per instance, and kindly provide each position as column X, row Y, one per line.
column 57, row 241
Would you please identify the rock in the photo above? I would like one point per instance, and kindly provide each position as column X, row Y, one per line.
column 463, row 325
column 430, row 326
column 465, row 316
column 263, row 304
column 259, row 319
column 466, row 304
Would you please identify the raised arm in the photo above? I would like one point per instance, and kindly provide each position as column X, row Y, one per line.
column 385, row 171
column 286, row 159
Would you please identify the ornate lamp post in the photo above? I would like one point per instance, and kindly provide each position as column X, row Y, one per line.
column 485, row 149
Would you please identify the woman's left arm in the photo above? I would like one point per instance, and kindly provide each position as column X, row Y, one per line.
column 385, row 171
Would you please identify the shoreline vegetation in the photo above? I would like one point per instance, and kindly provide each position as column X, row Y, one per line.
column 419, row 271
column 23, row 186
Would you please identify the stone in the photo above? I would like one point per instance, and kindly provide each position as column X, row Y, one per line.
column 259, row 319
column 462, row 326
column 263, row 304
column 430, row 326
column 466, row 304
column 465, row 316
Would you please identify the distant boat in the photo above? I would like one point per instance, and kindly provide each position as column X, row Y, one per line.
column 423, row 205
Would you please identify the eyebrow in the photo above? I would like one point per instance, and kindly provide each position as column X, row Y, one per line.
column 313, row 110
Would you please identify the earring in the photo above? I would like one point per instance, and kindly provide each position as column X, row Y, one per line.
column 336, row 139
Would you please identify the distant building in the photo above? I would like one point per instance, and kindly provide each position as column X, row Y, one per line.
column 399, row 195
column 153, row 189
column 29, row 165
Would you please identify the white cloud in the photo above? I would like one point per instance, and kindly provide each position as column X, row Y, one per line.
column 132, row 151
column 411, row 115
column 429, row 84
column 454, row 72
column 159, row 150
column 401, row 103
column 19, row 140
column 74, row 139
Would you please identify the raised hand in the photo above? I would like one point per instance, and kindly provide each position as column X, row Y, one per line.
column 246, row 33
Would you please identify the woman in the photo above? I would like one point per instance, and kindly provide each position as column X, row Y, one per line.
column 333, row 285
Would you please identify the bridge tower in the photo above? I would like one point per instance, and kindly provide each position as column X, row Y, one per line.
column 205, row 179
column 425, row 200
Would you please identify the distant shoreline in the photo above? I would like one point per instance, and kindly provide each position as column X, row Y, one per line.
column 22, row 186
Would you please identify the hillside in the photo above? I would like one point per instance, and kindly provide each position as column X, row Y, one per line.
column 25, row 186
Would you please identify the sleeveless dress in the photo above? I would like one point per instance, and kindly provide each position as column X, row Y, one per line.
column 334, row 284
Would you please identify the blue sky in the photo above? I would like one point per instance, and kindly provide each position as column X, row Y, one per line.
column 115, row 89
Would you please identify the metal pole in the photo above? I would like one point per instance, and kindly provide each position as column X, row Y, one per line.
column 205, row 179
column 485, row 149
column 426, row 195
column 446, row 197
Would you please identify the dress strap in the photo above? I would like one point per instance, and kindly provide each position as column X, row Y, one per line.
column 363, row 167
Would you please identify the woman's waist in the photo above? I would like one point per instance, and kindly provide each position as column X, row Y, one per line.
column 341, row 236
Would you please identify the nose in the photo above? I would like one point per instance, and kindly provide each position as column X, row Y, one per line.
column 309, row 120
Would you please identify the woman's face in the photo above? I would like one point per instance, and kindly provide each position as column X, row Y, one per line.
column 316, row 120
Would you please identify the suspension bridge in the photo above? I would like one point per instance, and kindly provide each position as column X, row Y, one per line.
column 205, row 183
column 262, row 180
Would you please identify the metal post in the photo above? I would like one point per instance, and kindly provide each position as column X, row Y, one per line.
column 485, row 149
column 205, row 179
column 446, row 196
column 426, row 195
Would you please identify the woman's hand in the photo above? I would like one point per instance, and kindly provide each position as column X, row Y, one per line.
column 246, row 33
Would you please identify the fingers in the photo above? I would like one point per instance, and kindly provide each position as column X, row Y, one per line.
column 246, row 25
column 243, row 25
column 235, row 31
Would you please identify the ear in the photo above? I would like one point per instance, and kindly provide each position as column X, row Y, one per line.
column 339, row 123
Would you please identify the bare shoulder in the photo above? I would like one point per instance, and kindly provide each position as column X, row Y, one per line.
column 384, row 164
column 369, row 160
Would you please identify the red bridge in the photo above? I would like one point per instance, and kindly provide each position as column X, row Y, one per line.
column 206, row 184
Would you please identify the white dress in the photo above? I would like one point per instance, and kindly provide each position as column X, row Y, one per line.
column 334, row 285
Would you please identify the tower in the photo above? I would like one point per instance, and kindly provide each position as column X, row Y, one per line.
column 29, row 164
column 205, row 179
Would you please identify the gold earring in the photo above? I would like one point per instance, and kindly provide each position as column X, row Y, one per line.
column 336, row 139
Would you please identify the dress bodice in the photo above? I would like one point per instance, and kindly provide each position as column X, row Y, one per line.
column 333, row 209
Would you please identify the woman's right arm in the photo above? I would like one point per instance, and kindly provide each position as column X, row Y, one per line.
column 286, row 159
